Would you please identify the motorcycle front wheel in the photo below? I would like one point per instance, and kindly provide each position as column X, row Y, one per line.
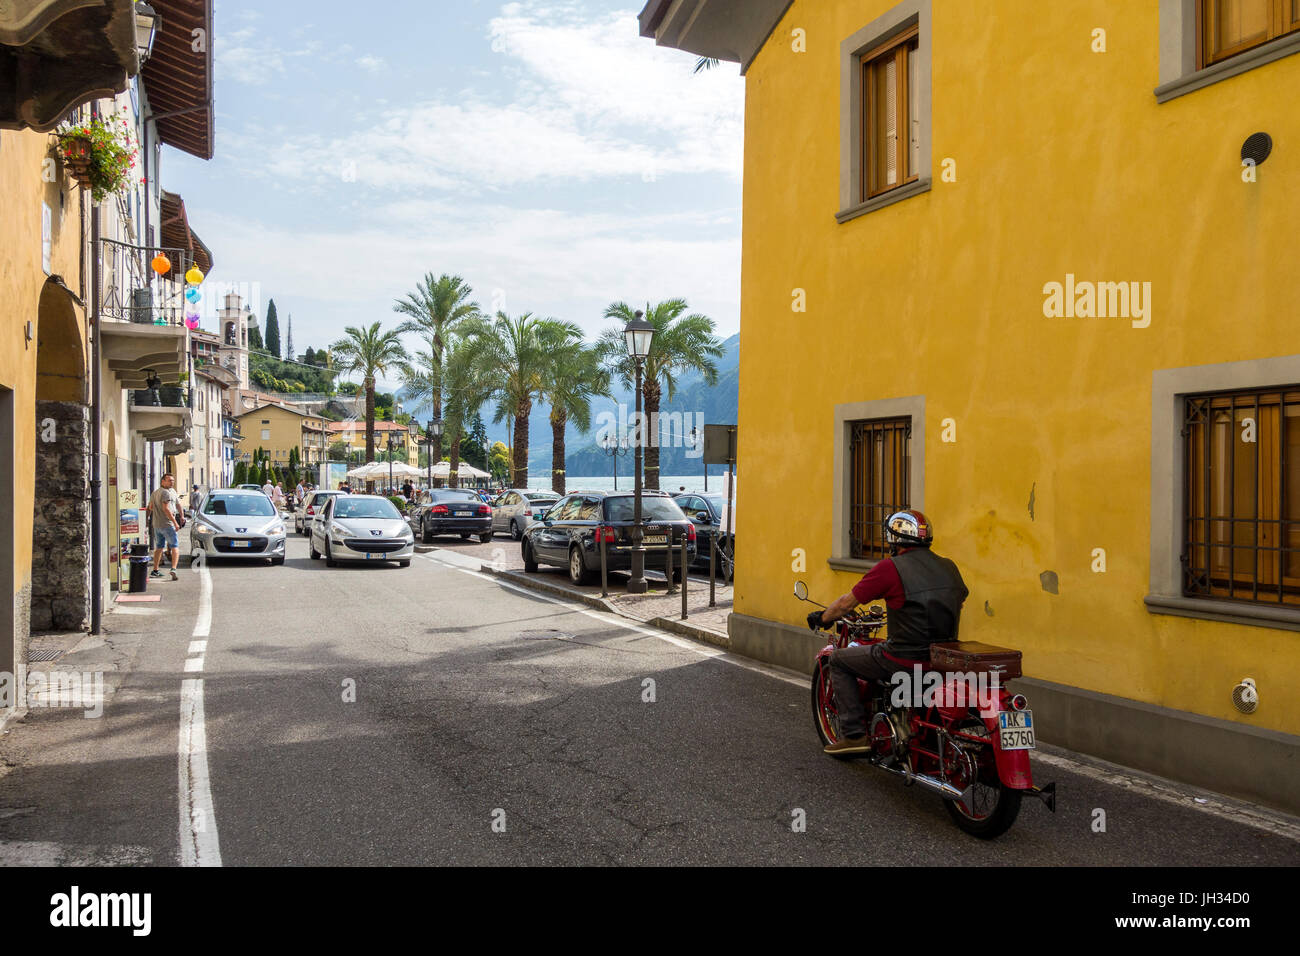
column 825, row 716
column 991, row 807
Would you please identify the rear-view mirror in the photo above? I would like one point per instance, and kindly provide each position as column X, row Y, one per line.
column 801, row 590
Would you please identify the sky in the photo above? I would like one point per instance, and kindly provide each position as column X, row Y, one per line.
column 540, row 149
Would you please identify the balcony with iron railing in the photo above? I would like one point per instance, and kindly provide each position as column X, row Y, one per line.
column 132, row 291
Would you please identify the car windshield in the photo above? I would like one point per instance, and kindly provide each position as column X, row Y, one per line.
column 243, row 505
column 717, row 501
column 652, row 509
column 365, row 508
column 542, row 499
column 455, row 496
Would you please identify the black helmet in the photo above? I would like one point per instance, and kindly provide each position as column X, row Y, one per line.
column 908, row 529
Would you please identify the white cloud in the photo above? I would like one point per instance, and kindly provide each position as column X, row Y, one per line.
column 371, row 64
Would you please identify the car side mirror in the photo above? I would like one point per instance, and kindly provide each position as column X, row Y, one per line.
column 702, row 517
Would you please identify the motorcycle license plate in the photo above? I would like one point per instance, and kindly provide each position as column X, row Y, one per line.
column 1017, row 729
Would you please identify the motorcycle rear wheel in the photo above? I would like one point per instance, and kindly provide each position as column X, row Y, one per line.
column 993, row 806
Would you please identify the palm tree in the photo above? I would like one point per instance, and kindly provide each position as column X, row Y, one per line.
column 681, row 343
column 435, row 309
column 705, row 63
column 572, row 378
column 511, row 354
column 372, row 353
column 467, row 388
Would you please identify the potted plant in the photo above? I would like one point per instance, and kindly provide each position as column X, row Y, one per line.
column 99, row 153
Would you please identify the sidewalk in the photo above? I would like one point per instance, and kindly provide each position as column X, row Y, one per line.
column 656, row 607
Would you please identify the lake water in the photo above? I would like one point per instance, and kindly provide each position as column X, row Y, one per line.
column 670, row 483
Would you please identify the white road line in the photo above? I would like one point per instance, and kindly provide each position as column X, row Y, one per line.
column 193, row 664
column 198, row 822
column 1113, row 777
column 197, row 647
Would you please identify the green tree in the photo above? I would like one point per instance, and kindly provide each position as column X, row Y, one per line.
column 476, row 443
column 371, row 353
column 510, row 353
column 255, row 339
column 309, row 357
column 705, row 63
column 682, row 343
column 273, row 330
column 572, row 377
column 499, row 462
column 240, row 476
column 434, row 310
column 338, row 451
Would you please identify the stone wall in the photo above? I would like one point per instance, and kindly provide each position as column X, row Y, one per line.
column 60, row 594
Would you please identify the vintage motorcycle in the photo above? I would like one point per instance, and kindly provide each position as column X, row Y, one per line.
column 956, row 731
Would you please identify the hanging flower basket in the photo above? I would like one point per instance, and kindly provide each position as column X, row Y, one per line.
column 99, row 154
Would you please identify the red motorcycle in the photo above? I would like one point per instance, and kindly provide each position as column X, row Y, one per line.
column 948, row 725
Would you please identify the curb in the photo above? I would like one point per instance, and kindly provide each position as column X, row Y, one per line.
column 701, row 634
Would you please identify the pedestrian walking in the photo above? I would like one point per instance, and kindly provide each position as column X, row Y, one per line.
column 277, row 497
column 164, row 507
column 268, row 489
column 298, row 494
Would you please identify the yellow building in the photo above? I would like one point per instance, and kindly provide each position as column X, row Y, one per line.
column 353, row 436
column 1025, row 266
column 278, row 429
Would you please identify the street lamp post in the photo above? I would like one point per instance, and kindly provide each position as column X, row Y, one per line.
column 392, row 446
column 696, row 439
column 614, row 448
column 637, row 336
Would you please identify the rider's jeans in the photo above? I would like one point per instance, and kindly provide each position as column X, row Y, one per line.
column 848, row 664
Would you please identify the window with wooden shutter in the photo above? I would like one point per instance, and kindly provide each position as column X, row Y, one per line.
column 1230, row 27
column 1242, row 537
column 891, row 127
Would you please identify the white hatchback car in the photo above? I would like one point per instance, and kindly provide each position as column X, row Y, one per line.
column 517, row 507
column 364, row 528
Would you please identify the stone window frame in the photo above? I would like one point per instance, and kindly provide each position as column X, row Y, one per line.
column 1179, row 53
column 911, row 406
column 897, row 20
column 1169, row 388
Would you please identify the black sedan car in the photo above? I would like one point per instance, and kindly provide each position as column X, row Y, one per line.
column 707, row 510
column 450, row 511
column 568, row 535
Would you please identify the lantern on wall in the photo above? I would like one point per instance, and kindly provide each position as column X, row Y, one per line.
column 161, row 264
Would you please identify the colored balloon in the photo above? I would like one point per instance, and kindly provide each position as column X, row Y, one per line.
column 194, row 276
column 161, row 264
column 193, row 294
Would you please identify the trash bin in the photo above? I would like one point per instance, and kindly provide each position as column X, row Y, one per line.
column 139, row 568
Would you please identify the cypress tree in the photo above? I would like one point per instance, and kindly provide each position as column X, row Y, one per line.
column 272, row 330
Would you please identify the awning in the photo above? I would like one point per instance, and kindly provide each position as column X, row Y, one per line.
column 56, row 55
column 177, row 234
column 733, row 30
column 178, row 78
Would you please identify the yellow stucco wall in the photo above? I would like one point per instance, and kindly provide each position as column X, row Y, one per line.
column 23, row 187
column 285, row 428
column 1065, row 164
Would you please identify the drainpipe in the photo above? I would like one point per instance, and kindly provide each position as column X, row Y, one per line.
column 96, row 537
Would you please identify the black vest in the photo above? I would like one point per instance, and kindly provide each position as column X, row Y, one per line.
column 933, row 592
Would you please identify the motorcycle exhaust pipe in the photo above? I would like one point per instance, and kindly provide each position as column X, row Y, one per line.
column 933, row 784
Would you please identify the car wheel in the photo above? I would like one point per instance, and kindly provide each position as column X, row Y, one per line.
column 277, row 562
column 329, row 558
column 530, row 562
column 312, row 552
column 404, row 564
column 485, row 538
column 464, row 535
column 426, row 536
column 578, row 572
column 514, row 529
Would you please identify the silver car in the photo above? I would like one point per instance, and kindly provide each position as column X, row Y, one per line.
column 306, row 514
column 364, row 528
column 232, row 523
column 518, row 506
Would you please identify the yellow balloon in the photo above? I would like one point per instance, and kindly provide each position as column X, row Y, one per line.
column 194, row 276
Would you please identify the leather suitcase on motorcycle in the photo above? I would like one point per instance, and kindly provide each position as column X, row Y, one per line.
column 975, row 657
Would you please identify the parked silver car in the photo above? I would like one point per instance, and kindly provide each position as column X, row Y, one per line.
column 232, row 523
column 518, row 506
column 306, row 514
column 365, row 528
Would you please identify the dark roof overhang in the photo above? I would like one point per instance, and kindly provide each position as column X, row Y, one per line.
column 178, row 77
column 56, row 55
column 177, row 234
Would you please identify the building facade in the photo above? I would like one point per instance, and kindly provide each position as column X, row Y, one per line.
column 1030, row 255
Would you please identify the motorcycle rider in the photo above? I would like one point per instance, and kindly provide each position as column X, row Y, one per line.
column 924, row 594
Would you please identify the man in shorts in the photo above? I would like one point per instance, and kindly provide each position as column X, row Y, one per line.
column 164, row 504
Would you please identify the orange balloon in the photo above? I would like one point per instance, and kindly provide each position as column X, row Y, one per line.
column 161, row 264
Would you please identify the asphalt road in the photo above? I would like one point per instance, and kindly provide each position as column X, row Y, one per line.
column 495, row 726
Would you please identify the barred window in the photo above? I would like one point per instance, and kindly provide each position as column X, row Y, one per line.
column 1242, row 539
column 881, row 455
